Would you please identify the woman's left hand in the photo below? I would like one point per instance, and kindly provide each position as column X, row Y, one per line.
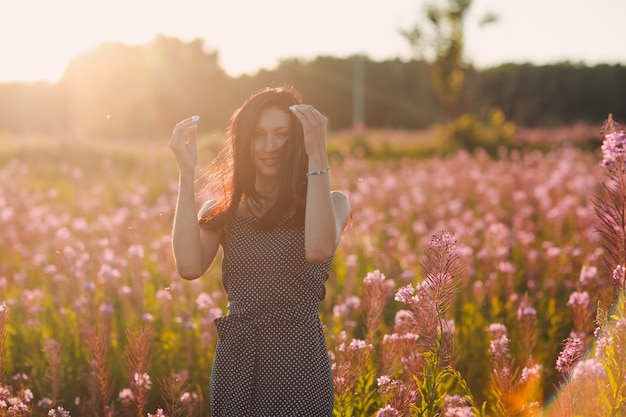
column 314, row 125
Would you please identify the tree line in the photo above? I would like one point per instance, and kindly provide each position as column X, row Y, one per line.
column 143, row 90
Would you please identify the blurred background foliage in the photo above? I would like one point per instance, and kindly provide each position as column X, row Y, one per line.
column 141, row 91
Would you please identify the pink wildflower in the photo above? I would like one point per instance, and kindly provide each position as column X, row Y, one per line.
column 388, row 411
column 126, row 395
column 499, row 349
column 357, row 344
column 383, row 380
column 587, row 274
column 443, row 240
column 578, row 299
column 187, row 397
column 58, row 412
column 106, row 308
column 136, row 251
column 45, row 402
column 204, row 301
column 163, row 295
column 589, row 369
column 619, row 276
column 403, row 321
column 614, row 149
column 108, row 273
column 159, row 413
column 496, row 330
column 604, row 342
column 526, row 311
column 533, row 373
column 374, row 277
column 407, row 295
column 456, row 406
column 571, row 353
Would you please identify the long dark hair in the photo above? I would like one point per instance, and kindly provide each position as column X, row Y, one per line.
column 235, row 172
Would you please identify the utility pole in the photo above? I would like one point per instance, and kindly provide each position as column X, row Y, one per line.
column 358, row 93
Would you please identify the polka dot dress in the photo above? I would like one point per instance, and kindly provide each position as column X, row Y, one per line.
column 271, row 357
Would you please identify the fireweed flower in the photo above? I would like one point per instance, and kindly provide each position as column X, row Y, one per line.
column 375, row 293
column 142, row 381
column 572, row 352
column 343, row 309
column 499, row 349
column 187, row 397
column 357, row 344
column 383, row 380
column 352, row 260
column 614, row 149
column 108, row 273
column 443, row 241
column 456, row 406
column 496, row 330
column 45, row 402
column 578, row 299
column 619, row 277
column 588, row 274
column 20, row 377
column 18, row 409
column 136, row 251
column 126, row 395
column 604, row 341
column 214, row 313
column 403, row 321
column 506, row 267
column 589, row 369
column 106, row 308
column 164, row 295
column 159, row 413
column 388, row 411
column 204, row 301
column 526, row 312
column 407, row 295
column 58, row 412
column 374, row 277
column 27, row 395
column 531, row 374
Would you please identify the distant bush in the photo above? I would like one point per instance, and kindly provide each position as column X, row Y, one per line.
column 468, row 132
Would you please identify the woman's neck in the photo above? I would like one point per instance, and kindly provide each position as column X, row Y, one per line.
column 268, row 190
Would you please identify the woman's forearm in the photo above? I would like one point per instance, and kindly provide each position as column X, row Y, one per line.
column 320, row 229
column 186, row 241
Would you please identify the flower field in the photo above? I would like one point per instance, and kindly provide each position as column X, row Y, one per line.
column 466, row 285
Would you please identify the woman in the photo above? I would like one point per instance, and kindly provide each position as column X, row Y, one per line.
column 278, row 223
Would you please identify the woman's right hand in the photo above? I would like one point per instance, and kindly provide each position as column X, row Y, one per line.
column 183, row 144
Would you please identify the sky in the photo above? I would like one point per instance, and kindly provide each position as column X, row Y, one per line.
column 39, row 37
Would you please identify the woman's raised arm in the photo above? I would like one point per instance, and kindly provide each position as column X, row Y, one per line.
column 194, row 248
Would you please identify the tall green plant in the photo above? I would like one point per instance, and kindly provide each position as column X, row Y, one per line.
column 429, row 302
column 611, row 211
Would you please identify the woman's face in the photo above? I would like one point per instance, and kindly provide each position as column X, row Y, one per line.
column 271, row 134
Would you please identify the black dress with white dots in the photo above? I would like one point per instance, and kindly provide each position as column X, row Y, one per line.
column 271, row 358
